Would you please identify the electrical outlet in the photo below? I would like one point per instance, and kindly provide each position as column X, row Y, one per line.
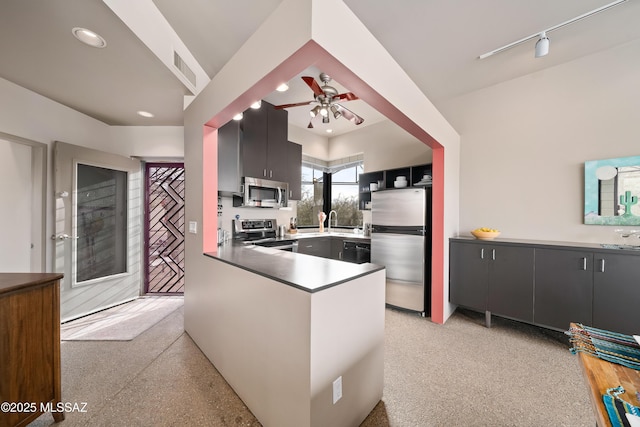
column 193, row 227
column 337, row 389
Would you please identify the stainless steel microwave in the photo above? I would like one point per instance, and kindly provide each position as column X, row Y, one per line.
column 262, row 193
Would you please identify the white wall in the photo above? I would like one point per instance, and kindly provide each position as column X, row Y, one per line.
column 385, row 146
column 312, row 145
column 524, row 144
column 15, row 218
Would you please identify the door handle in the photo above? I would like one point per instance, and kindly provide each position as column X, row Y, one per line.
column 602, row 265
column 63, row 236
column 584, row 263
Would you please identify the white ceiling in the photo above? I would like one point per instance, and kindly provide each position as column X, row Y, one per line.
column 437, row 43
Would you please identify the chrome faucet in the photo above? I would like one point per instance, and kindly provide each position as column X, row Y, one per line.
column 332, row 212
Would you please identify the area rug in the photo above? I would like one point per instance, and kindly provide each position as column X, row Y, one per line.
column 123, row 322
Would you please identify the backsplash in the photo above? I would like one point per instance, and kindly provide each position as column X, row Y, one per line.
column 229, row 213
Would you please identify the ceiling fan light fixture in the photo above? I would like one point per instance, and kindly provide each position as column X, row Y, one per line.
column 324, row 111
column 314, row 111
column 325, row 119
column 336, row 112
column 542, row 45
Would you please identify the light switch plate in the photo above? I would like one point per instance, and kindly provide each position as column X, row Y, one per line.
column 193, row 227
column 337, row 389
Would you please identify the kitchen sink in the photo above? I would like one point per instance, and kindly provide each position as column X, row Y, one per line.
column 625, row 247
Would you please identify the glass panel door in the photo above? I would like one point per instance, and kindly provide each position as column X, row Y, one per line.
column 101, row 216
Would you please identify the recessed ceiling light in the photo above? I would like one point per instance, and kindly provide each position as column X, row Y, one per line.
column 283, row 87
column 88, row 37
column 256, row 105
column 145, row 114
column 237, row 116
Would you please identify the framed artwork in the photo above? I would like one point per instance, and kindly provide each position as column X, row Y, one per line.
column 611, row 191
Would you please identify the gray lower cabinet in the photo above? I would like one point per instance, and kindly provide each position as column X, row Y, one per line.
column 492, row 278
column 511, row 282
column 316, row 246
column 469, row 276
column 336, row 247
column 563, row 288
column 616, row 292
column 547, row 284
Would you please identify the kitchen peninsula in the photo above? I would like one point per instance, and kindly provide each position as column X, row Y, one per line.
column 299, row 338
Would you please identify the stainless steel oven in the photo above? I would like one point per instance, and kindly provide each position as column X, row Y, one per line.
column 261, row 232
column 262, row 193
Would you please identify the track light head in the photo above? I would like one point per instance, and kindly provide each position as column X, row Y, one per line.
column 542, row 45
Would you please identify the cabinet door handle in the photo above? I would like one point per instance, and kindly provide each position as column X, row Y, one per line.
column 602, row 265
column 493, row 254
column 584, row 263
column 482, row 253
column 264, row 173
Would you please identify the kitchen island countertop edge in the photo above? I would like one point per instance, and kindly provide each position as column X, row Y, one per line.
column 305, row 272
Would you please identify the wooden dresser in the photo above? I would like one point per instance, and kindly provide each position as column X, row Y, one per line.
column 29, row 346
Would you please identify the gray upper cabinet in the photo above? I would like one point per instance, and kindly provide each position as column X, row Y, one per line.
column 229, row 158
column 254, row 142
column 257, row 146
column 294, row 155
column 616, row 292
column 264, row 143
column 277, row 164
column 564, row 287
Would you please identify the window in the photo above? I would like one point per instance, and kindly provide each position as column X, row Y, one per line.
column 344, row 196
column 101, row 209
column 312, row 200
column 326, row 188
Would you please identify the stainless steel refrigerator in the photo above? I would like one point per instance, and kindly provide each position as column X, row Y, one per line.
column 401, row 241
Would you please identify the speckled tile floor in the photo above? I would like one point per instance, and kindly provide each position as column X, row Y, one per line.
column 457, row 374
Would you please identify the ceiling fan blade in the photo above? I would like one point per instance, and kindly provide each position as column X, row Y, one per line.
column 349, row 115
column 313, row 84
column 347, row 96
column 297, row 104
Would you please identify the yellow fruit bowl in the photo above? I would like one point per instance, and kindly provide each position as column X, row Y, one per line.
column 485, row 235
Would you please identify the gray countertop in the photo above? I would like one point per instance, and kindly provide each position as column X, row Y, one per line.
column 306, row 272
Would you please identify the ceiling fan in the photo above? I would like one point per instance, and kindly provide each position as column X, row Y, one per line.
column 327, row 98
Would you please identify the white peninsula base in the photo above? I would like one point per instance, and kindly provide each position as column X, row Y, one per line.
column 282, row 348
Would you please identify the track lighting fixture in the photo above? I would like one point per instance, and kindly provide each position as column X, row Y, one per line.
column 542, row 45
